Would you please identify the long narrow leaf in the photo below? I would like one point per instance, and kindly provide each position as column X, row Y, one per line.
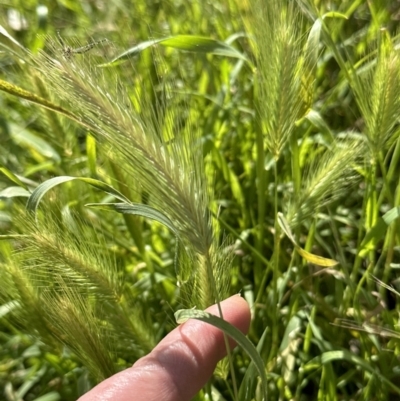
column 137, row 209
column 43, row 188
column 192, row 43
column 12, row 177
column 341, row 355
column 14, row 192
column 183, row 315
column 310, row 257
column 378, row 231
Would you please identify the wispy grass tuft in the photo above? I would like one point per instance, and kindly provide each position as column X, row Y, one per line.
column 326, row 179
column 75, row 323
column 276, row 136
column 69, row 289
column 279, row 41
column 377, row 88
column 166, row 162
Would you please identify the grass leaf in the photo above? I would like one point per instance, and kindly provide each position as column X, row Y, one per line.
column 137, row 209
column 183, row 315
column 13, row 177
column 192, row 43
column 44, row 187
column 315, row 259
column 378, row 231
column 14, row 192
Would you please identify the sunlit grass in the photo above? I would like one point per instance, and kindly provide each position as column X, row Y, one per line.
column 256, row 142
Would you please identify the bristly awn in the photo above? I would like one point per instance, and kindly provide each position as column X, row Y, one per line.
column 69, row 51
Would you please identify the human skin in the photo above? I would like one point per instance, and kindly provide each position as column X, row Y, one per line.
column 180, row 365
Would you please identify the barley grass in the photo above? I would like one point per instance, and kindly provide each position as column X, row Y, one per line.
column 264, row 155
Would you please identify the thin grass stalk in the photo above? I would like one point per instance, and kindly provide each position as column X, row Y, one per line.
column 392, row 237
column 394, row 160
column 310, row 239
column 296, row 177
column 388, row 174
column 386, row 183
column 254, row 251
column 286, row 277
column 372, row 208
column 350, row 293
column 133, row 223
column 295, row 163
column 261, row 197
column 275, row 269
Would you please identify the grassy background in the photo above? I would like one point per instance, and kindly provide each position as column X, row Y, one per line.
column 302, row 120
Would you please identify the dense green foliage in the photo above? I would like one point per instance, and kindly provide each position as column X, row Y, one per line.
column 163, row 155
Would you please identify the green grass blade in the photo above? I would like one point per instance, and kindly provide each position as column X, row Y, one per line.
column 12, row 177
column 199, row 44
column 192, row 43
column 310, row 257
column 14, row 192
column 24, row 137
column 137, row 209
column 91, row 154
column 183, row 315
column 378, row 231
column 248, row 385
column 330, row 356
column 52, row 396
column 43, row 188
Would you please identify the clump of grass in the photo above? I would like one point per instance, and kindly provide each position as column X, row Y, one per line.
column 279, row 42
column 170, row 171
column 69, row 289
column 270, row 138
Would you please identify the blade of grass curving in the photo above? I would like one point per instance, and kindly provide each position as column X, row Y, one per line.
column 248, row 385
column 8, row 307
column 31, row 97
column 12, row 177
column 26, row 138
column 340, row 355
column 4, row 32
column 50, row 396
column 181, row 316
column 14, row 192
column 44, row 187
column 315, row 259
column 378, row 231
column 137, row 209
column 201, row 44
column 312, row 45
column 192, row 43
column 315, row 118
